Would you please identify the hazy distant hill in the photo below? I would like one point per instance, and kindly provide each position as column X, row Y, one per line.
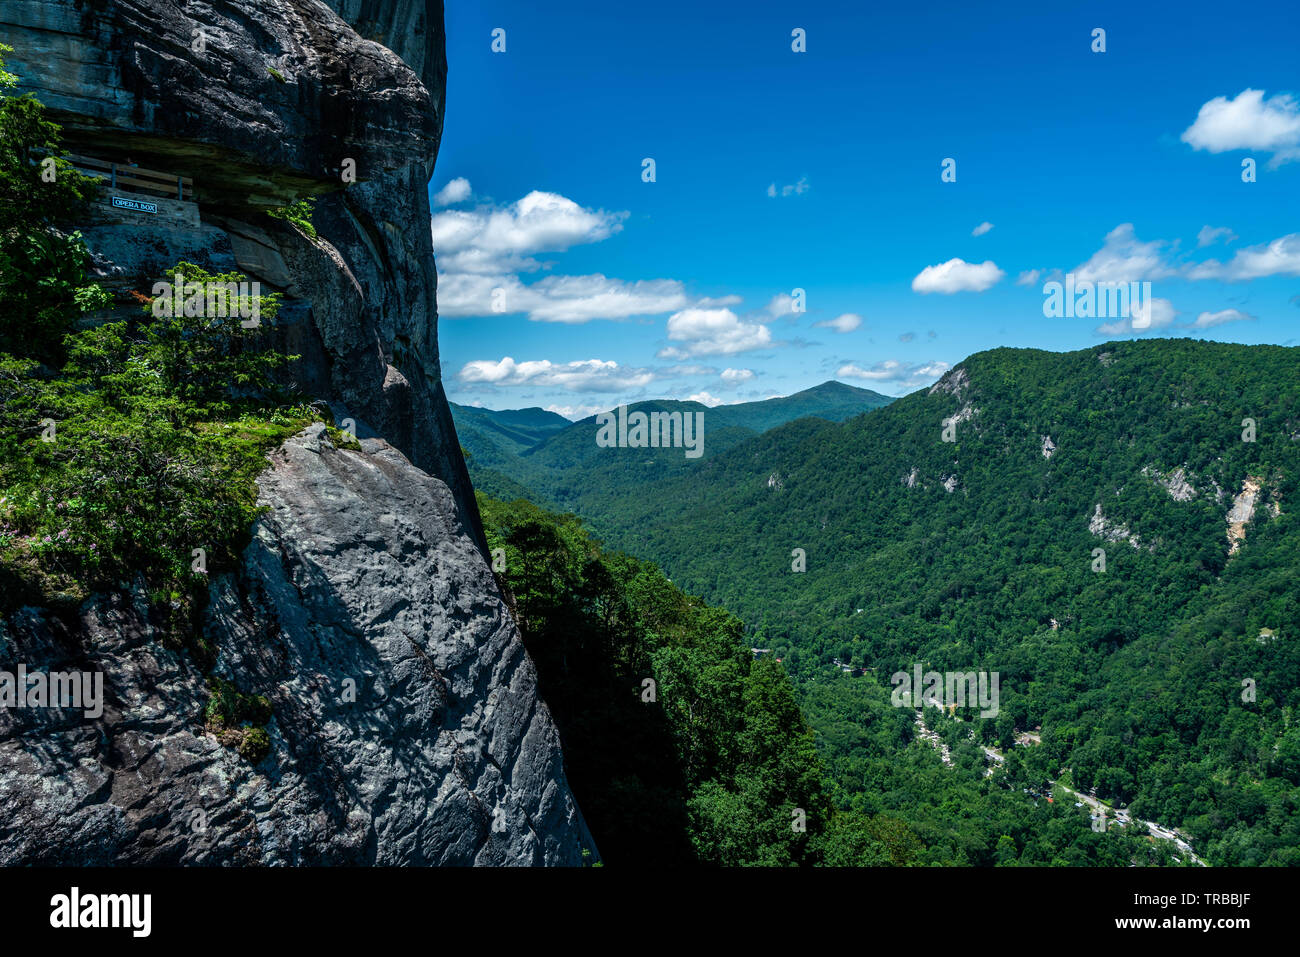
column 545, row 453
column 491, row 436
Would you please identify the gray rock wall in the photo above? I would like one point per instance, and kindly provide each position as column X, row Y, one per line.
column 368, row 570
column 407, row 728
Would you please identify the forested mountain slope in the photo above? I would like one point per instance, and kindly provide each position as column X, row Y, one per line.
column 1166, row 677
column 493, row 437
column 502, row 465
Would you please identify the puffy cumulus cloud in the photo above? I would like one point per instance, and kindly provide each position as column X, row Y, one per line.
column 1209, row 235
column 575, row 413
column 582, row 298
column 1207, row 319
column 457, row 191
column 1153, row 314
column 782, row 304
column 845, row 323
column 704, row 399
column 505, row 239
column 794, row 189
column 737, row 375
column 567, row 299
column 712, row 332
column 586, row 375
column 1124, row 258
column 957, row 275
column 1248, row 121
column 894, row 374
column 1281, row 257
column 981, row 229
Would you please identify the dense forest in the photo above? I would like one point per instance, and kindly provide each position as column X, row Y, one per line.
column 714, row 762
column 1073, row 537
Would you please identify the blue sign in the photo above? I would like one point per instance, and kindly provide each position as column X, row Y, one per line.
column 135, row 204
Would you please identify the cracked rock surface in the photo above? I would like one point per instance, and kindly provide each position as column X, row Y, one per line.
column 407, row 727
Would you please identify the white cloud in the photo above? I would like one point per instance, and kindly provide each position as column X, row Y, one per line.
column 505, row 239
column 737, row 375
column 712, row 332
column 895, row 374
column 586, row 375
column 687, row 370
column 1209, row 235
column 709, row 302
column 1281, row 257
column 782, row 304
column 981, row 229
column 457, row 191
column 1207, row 319
column 1153, row 314
column 575, row 413
column 880, row 371
column 704, row 399
column 794, row 189
column 957, row 275
column 845, row 323
column 1028, row 278
column 1123, row 258
column 1248, row 122
column 567, row 299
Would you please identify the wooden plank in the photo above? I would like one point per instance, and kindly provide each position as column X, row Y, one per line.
column 144, row 174
column 166, row 187
column 76, row 160
column 137, row 172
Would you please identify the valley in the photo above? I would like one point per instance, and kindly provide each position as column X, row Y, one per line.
column 1131, row 639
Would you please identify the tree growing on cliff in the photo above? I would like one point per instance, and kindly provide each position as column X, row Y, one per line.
column 43, row 280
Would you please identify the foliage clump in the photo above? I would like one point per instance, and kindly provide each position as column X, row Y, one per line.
column 128, row 447
column 299, row 214
column 238, row 720
column 707, row 764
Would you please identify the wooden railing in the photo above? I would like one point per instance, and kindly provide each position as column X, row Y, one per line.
column 136, row 179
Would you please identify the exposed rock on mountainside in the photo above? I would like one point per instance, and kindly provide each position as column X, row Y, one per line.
column 1242, row 512
column 1110, row 530
column 1176, row 483
column 406, row 727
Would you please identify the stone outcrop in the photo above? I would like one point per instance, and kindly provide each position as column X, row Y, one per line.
column 1242, row 512
column 1111, row 530
column 406, row 723
column 1177, row 483
column 261, row 104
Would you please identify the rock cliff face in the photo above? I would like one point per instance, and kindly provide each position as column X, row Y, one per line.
column 261, row 102
column 407, row 727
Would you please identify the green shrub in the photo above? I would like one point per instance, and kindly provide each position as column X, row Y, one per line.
column 228, row 707
column 298, row 213
column 255, row 746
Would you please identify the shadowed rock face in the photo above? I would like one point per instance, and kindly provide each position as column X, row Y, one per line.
column 406, row 729
column 262, row 102
column 368, row 571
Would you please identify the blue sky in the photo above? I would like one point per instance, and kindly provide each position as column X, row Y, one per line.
column 567, row 281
